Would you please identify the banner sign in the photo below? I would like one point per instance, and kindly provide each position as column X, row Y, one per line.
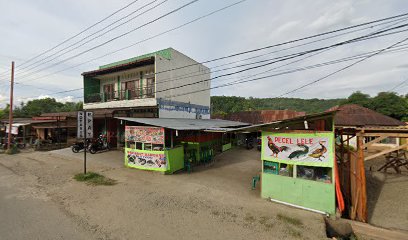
column 154, row 135
column 315, row 149
column 143, row 160
column 14, row 129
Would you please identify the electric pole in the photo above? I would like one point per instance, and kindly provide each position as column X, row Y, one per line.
column 11, row 106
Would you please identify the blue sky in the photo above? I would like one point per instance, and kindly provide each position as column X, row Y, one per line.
column 30, row 27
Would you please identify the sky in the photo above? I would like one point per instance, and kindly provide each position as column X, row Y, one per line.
column 28, row 28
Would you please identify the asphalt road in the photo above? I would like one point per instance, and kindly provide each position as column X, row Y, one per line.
column 25, row 215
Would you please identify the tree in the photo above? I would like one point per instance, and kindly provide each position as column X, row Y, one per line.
column 359, row 98
column 390, row 104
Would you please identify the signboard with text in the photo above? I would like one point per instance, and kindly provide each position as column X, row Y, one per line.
column 85, row 119
column 315, row 149
column 154, row 135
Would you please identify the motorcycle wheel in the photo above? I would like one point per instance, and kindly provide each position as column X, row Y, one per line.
column 92, row 150
column 75, row 149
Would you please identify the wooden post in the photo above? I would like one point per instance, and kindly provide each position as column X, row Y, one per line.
column 11, row 106
column 362, row 208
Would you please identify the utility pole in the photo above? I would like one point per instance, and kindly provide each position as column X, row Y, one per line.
column 11, row 106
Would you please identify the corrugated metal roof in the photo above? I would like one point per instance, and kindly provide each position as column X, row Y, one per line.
column 261, row 116
column 356, row 115
column 186, row 124
column 277, row 123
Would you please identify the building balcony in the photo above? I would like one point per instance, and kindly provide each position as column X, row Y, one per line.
column 125, row 98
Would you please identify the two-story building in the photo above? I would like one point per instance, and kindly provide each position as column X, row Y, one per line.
column 162, row 84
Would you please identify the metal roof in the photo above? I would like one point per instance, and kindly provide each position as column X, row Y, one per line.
column 278, row 123
column 186, row 124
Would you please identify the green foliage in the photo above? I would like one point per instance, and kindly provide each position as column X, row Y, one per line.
column 39, row 106
column 390, row 104
column 94, row 179
column 13, row 150
column 387, row 103
column 222, row 105
column 358, row 98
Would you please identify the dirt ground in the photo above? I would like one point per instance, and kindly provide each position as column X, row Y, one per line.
column 387, row 196
column 213, row 202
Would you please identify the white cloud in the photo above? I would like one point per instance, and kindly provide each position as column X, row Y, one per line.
column 33, row 26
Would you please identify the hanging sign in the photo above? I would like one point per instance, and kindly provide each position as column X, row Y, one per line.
column 154, row 135
column 304, row 149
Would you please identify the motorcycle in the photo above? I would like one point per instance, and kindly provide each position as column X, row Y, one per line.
column 19, row 145
column 249, row 143
column 78, row 146
column 99, row 145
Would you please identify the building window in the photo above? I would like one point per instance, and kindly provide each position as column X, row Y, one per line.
column 150, row 87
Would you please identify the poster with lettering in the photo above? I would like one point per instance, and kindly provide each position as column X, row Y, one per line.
column 150, row 161
column 315, row 149
column 154, row 135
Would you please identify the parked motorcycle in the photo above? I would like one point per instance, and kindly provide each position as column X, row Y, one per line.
column 78, row 146
column 99, row 145
column 249, row 143
column 19, row 145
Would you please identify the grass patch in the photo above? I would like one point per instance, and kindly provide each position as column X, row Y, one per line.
column 94, row 179
column 12, row 150
column 290, row 220
column 294, row 233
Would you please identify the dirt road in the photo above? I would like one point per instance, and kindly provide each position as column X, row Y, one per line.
column 214, row 202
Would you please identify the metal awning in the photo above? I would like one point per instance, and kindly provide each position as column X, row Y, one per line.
column 186, row 124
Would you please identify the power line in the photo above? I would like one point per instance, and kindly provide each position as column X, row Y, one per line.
column 398, row 85
column 287, row 72
column 117, row 37
column 56, row 55
column 344, row 68
column 86, row 29
column 219, row 57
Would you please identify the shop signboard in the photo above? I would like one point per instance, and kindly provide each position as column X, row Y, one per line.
column 153, row 135
column 313, row 149
column 146, row 160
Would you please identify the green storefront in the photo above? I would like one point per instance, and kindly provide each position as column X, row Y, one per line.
column 145, row 149
column 297, row 168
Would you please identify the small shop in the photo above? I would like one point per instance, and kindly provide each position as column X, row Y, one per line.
column 298, row 161
column 170, row 145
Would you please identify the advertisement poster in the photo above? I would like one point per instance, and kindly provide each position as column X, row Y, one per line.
column 154, row 135
column 307, row 149
column 154, row 161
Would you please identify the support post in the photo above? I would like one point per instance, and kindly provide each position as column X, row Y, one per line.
column 85, row 143
column 11, row 106
column 362, row 183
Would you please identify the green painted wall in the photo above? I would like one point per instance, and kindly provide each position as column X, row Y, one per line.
column 165, row 53
column 91, row 86
column 301, row 192
column 175, row 157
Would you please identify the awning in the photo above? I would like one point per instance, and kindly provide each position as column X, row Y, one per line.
column 186, row 124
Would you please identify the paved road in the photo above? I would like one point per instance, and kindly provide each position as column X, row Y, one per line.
column 25, row 215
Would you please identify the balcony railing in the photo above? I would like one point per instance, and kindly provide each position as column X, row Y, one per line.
column 139, row 93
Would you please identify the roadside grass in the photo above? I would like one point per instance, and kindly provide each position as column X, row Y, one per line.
column 94, row 179
column 12, row 150
column 290, row 220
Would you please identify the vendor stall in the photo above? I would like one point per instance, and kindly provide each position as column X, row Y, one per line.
column 297, row 168
column 146, row 149
column 168, row 144
column 298, row 162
